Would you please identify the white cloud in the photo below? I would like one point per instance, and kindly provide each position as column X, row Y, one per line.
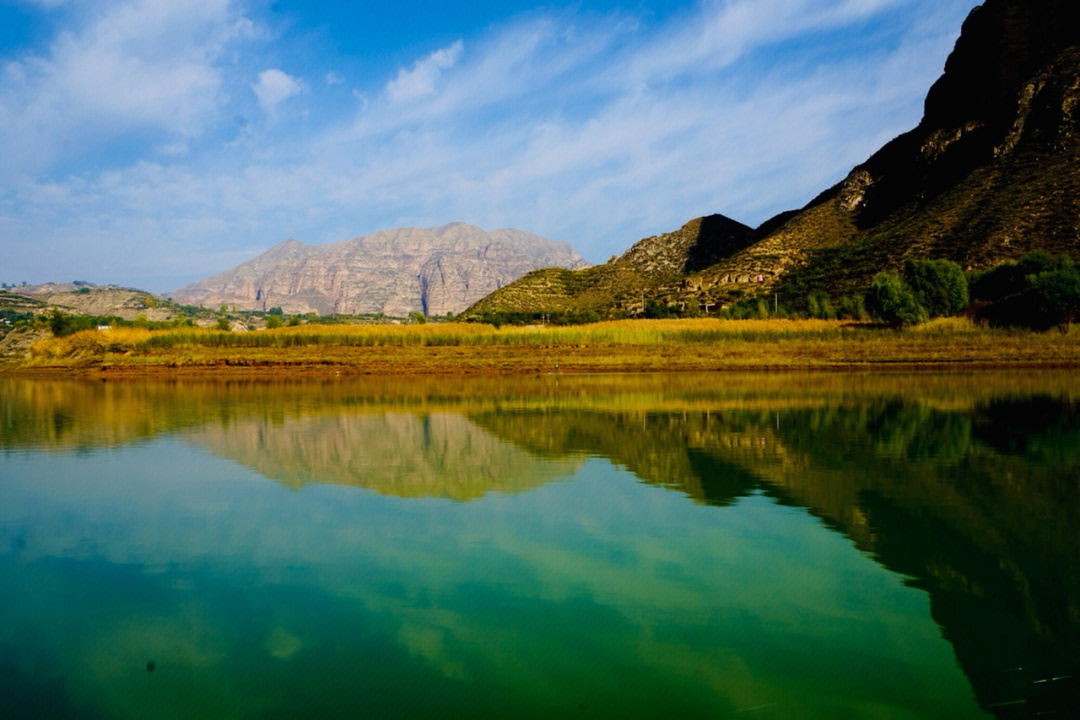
column 274, row 86
column 332, row 78
column 147, row 64
column 420, row 80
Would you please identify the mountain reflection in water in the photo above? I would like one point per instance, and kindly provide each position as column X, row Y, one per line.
column 966, row 486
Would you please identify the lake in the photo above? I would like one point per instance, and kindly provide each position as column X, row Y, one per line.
column 774, row 546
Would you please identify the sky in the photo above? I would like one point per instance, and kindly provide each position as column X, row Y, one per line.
column 151, row 143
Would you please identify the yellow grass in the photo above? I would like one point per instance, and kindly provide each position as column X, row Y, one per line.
column 621, row 332
column 626, row 345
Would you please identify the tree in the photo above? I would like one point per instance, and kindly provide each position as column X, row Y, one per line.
column 59, row 323
column 939, row 286
column 274, row 321
column 1038, row 292
column 223, row 324
column 1058, row 296
column 891, row 301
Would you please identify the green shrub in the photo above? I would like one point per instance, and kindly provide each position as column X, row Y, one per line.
column 274, row 321
column 1051, row 299
column 223, row 324
column 819, row 305
column 938, row 285
column 1058, row 293
column 852, row 307
column 61, row 324
column 890, row 300
column 1038, row 292
column 658, row 309
column 996, row 283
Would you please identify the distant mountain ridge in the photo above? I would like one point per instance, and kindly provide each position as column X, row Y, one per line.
column 991, row 172
column 394, row 272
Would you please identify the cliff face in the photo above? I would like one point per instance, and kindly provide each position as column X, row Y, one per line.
column 998, row 89
column 434, row 271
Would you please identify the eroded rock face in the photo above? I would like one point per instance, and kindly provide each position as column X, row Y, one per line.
column 979, row 108
column 435, row 271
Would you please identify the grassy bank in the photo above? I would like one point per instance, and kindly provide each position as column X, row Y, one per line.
column 449, row 348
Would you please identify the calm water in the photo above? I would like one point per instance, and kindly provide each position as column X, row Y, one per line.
column 692, row 546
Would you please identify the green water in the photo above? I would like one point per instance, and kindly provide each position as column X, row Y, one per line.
column 659, row 546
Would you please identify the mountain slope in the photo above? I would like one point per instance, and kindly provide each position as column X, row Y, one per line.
column 991, row 172
column 434, row 271
column 619, row 285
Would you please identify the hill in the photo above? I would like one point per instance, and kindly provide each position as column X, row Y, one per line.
column 435, row 271
column 990, row 173
column 620, row 285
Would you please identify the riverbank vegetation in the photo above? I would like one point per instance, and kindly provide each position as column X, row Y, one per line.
column 622, row 346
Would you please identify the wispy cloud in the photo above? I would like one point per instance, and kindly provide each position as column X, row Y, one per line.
column 420, row 80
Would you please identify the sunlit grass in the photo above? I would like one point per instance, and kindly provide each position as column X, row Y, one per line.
column 625, row 345
column 622, row 332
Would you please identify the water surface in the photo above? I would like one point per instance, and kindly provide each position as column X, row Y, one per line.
column 698, row 546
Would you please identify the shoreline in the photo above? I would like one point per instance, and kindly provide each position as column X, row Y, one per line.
column 629, row 347
column 501, row 365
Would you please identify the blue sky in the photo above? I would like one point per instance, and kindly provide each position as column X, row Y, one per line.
column 155, row 143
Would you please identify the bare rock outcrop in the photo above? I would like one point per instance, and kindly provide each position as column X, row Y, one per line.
column 435, row 271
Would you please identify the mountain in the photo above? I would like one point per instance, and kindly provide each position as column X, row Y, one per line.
column 990, row 173
column 435, row 271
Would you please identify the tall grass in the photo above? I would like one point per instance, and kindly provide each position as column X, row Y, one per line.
column 624, row 345
column 621, row 332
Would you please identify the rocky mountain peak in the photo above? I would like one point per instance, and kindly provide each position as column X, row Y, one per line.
column 975, row 107
column 393, row 272
column 1001, row 45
